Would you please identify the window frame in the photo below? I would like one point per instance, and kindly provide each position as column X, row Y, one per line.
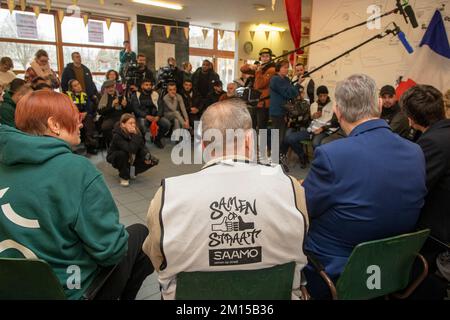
column 215, row 53
column 59, row 44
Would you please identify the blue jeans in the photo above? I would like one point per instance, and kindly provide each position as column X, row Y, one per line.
column 293, row 140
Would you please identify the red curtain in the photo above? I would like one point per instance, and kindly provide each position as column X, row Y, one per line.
column 294, row 14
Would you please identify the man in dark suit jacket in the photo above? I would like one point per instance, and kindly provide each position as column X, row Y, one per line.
column 424, row 106
column 368, row 186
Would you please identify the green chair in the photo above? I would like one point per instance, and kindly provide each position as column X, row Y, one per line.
column 393, row 256
column 273, row 283
column 25, row 279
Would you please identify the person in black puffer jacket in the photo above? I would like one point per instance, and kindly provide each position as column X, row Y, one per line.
column 128, row 151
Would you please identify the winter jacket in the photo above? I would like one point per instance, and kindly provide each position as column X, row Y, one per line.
column 57, row 207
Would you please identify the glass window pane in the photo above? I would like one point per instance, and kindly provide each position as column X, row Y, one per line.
column 96, row 59
column 197, row 61
column 74, row 31
column 98, row 80
column 197, row 40
column 225, row 69
column 227, row 43
column 45, row 25
column 23, row 53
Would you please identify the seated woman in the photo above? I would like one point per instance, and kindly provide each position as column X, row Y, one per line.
column 40, row 67
column 60, row 208
column 113, row 75
column 127, row 152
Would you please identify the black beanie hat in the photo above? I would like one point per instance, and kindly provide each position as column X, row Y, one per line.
column 322, row 90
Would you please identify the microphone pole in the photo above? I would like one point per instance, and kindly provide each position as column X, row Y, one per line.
column 332, row 35
column 378, row 36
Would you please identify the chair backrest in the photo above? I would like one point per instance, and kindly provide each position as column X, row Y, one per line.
column 24, row 279
column 273, row 283
column 380, row 267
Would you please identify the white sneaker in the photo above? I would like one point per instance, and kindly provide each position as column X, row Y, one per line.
column 124, row 183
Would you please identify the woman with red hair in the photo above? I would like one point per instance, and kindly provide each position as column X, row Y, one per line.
column 59, row 208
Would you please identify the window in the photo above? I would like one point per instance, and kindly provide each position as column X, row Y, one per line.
column 74, row 31
column 96, row 59
column 197, row 40
column 220, row 51
column 22, row 54
column 59, row 40
column 45, row 25
column 225, row 69
column 228, row 42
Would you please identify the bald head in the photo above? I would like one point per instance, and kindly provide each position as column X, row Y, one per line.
column 231, row 120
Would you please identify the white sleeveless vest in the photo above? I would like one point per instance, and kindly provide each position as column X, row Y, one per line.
column 239, row 216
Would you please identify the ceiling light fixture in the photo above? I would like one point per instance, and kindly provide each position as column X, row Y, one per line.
column 259, row 7
column 266, row 27
column 162, row 4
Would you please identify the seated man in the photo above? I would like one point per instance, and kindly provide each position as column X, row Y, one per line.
column 231, row 92
column 392, row 112
column 202, row 235
column 368, row 186
column 145, row 107
column 424, row 106
column 192, row 102
column 215, row 94
column 87, row 111
column 173, row 109
column 321, row 115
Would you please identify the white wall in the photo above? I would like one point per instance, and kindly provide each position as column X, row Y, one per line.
column 385, row 60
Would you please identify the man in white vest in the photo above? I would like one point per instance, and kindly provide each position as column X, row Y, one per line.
column 247, row 217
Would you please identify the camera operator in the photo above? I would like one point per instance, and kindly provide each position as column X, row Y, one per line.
column 139, row 73
column 127, row 56
column 111, row 107
column 145, row 107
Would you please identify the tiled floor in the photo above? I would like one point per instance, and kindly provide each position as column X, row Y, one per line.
column 133, row 201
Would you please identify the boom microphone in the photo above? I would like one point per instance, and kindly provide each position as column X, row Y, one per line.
column 407, row 12
column 412, row 17
column 401, row 36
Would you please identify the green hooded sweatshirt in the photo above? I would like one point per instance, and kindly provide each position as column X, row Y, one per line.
column 55, row 206
column 7, row 110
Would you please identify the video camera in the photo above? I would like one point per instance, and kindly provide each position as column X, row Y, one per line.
column 132, row 74
column 166, row 75
column 249, row 95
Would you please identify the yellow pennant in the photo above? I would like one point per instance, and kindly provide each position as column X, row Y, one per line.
column 102, row 2
column 205, row 33
column 274, row 2
column 267, row 35
column 108, row 22
column 11, row 6
column 75, row 2
column 252, row 34
column 221, row 33
column 186, row 33
column 61, row 15
column 85, row 19
column 48, row 5
column 23, row 5
column 148, row 28
column 37, row 11
column 237, row 33
column 281, row 33
column 130, row 25
column 168, row 30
